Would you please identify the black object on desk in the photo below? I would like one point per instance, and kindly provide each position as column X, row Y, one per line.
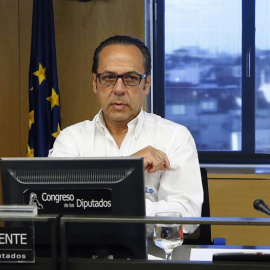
column 242, row 257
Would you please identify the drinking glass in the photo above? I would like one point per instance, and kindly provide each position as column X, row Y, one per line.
column 168, row 236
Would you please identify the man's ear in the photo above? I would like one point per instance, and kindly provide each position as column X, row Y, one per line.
column 94, row 83
column 147, row 84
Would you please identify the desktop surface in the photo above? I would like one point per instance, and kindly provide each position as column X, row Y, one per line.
column 180, row 261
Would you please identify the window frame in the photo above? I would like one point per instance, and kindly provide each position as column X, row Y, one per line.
column 155, row 38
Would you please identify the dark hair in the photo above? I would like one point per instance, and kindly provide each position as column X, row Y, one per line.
column 123, row 40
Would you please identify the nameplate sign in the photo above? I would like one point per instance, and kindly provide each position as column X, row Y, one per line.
column 70, row 201
column 17, row 245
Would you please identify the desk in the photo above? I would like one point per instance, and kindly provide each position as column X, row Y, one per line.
column 164, row 265
column 83, row 264
column 180, row 256
column 181, row 252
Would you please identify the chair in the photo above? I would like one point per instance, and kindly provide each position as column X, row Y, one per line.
column 202, row 236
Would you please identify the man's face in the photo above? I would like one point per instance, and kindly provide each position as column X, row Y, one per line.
column 121, row 103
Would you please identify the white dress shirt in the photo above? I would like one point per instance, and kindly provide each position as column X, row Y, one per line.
column 178, row 189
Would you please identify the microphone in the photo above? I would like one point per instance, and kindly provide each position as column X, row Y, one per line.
column 260, row 205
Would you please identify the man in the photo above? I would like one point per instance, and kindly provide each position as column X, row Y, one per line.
column 121, row 81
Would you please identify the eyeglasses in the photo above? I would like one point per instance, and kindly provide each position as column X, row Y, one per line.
column 129, row 79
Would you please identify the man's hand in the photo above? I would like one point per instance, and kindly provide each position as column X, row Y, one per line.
column 154, row 159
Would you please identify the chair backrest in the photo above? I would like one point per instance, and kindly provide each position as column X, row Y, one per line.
column 202, row 236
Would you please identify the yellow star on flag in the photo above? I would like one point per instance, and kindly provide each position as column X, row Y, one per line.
column 30, row 152
column 55, row 134
column 31, row 118
column 54, row 99
column 40, row 73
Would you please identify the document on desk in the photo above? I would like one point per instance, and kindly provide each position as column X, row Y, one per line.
column 152, row 257
column 206, row 254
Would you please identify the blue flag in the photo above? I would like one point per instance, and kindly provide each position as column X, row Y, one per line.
column 44, row 101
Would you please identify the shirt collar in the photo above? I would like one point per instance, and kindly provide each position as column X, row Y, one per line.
column 100, row 120
column 136, row 123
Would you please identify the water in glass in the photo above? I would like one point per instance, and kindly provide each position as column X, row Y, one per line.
column 168, row 236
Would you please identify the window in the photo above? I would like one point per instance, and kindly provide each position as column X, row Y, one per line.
column 215, row 74
column 262, row 77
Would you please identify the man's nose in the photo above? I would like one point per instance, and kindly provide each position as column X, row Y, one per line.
column 119, row 87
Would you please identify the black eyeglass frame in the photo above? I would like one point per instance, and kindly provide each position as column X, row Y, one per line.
column 142, row 76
